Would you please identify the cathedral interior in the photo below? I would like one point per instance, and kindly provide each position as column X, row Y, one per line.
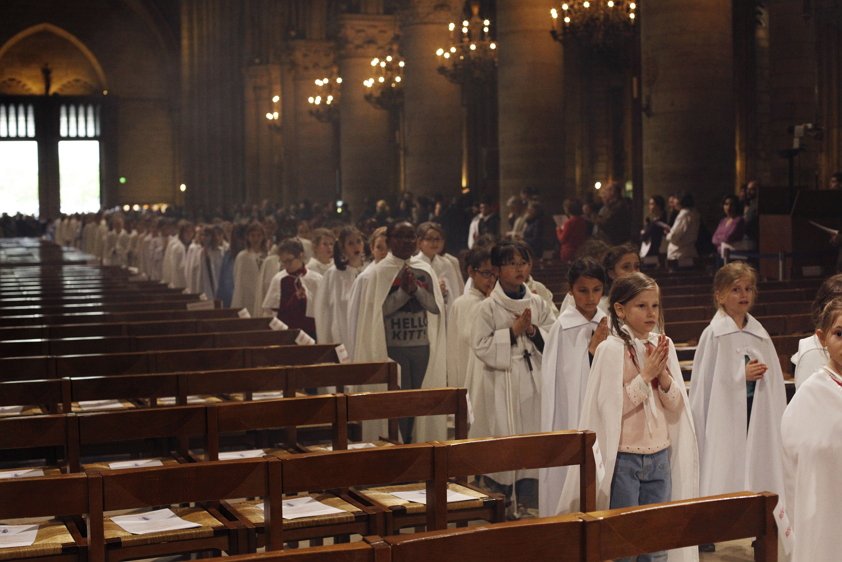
column 208, row 103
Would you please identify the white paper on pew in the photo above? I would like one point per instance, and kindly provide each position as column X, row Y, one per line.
column 600, row 464
column 278, row 324
column 22, row 473
column 155, row 521
column 351, row 446
column 342, row 353
column 136, row 463
column 785, row 532
column 303, row 338
column 420, row 496
column 185, row 292
column 203, row 304
column 15, row 536
column 11, row 410
column 298, row 508
column 170, row 400
column 248, row 454
column 244, row 313
column 267, row 395
column 203, row 297
column 94, row 405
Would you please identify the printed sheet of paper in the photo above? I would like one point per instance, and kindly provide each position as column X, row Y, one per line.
column 303, row 338
column 244, row 313
column 278, row 324
column 299, row 508
column 420, row 496
column 95, row 405
column 351, row 446
column 249, row 454
column 267, row 395
column 136, row 463
column 16, row 536
column 10, row 410
column 170, row 400
column 22, row 473
column 156, row 521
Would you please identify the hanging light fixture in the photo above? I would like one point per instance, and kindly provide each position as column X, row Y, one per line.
column 604, row 25
column 273, row 118
column 324, row 104
column 384, row 88
column 471, row 54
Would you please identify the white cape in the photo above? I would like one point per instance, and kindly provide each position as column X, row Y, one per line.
column 602, row 413
column 331, row 305
column 564, row 378
column 812, row 455
column 246, row 273
column 444, row 269
column 270, row 267
column 310, row 281
column 367, row 333
column 809, row 358
column 505, row 393
column 733, row 459
column 460, row 323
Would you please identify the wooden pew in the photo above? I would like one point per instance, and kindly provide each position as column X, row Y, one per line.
column 35, row 397
column 559, row 538
column 40, row 367
column 624, row 532
column 66, row 498
column 47, row 442
column 127, row 433
column 126, row 344
column 201, row 482
column 100, row 317
column 371, row 549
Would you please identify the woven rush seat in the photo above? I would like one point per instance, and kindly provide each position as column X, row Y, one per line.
column 328, row 447
column 114, row 533
column 279, row 452
column 53, row 536
column 198, row 399
column 382, row 495
column 253, row 514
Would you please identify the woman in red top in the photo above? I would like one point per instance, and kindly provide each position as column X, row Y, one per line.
column 573, row 232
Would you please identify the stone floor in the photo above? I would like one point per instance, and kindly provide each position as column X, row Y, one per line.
column 732, row 551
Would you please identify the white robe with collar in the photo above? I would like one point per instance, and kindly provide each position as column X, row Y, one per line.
column 564, row 378
column 191, row 272
column 367, row 333
column 177, row 257
column 270, row 267
column 166, row 266
column 810, row 357
column 602, row 411
column 310, row 281
column 812, row 455
column 444, row 269
column 331, row 305
column 733, row 459
column 319, row 267
column 246, row 273
column 505, row 394
column 569, row 302
column 460, row 323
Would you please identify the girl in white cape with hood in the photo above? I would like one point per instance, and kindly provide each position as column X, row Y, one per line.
column 636, row 404
column 737, row 383
column 570, row 348
column 812, row 450
column 504, row 378
column 331, row 303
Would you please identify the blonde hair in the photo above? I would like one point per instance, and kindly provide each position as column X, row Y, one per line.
column 729, row 274
column 625, row 289
column 830, row 313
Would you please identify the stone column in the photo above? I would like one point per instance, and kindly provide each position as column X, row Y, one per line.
column 367, row 156
column 688, row 100
column 315, row 163
column 827, row 18
column 212, row 103
column 432, row 106
column 262, row 169
column 530, row 93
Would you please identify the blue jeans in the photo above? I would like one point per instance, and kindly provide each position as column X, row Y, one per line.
column 640, row 480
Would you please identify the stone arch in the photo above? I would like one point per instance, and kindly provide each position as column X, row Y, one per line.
column 77, row 72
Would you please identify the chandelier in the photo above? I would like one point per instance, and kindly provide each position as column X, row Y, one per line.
column 324, row 105
column 273, row 118
column 384, row 88
column 471, row 54
column 604, row 25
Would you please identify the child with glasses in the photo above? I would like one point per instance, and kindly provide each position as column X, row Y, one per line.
column 508, row 343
